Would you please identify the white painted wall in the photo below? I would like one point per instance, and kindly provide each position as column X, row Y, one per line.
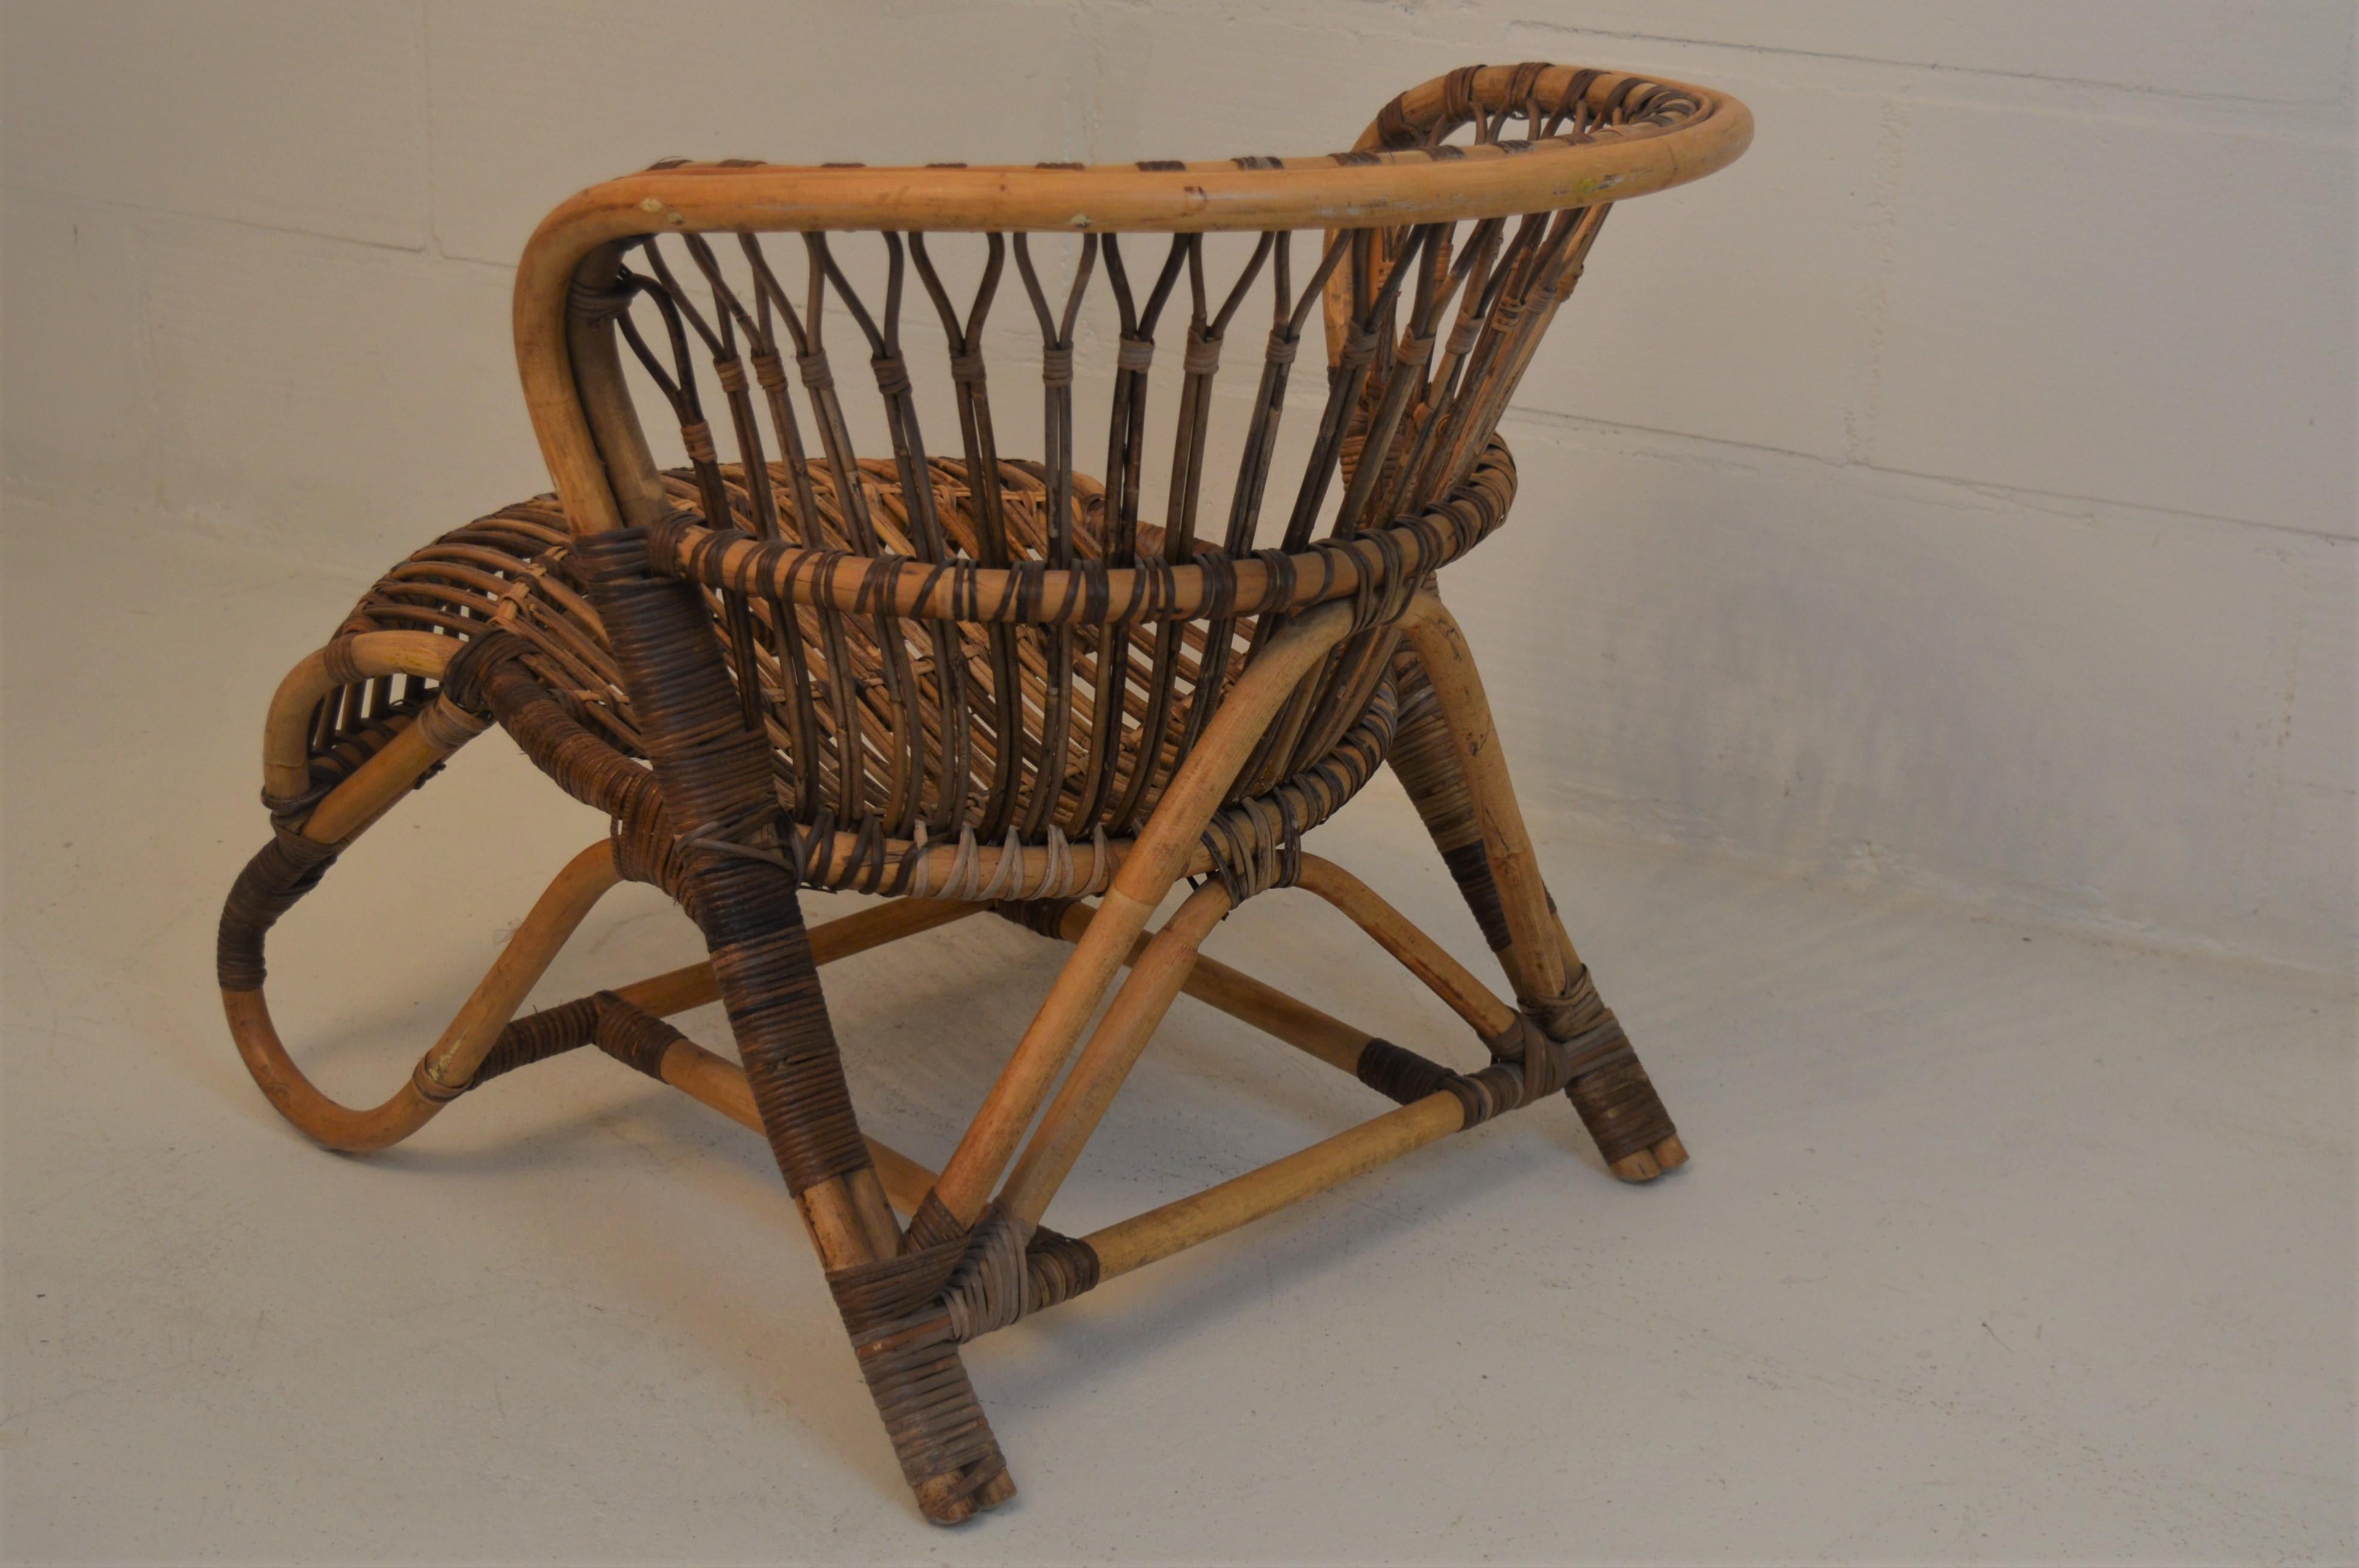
column 1957, row 492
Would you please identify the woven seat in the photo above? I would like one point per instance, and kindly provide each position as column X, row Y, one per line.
column 513, row 571
column 898, row 642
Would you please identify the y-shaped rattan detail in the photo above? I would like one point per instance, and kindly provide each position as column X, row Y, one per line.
column 974, row 680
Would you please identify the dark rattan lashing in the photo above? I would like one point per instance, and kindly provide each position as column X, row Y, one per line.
column 851, row 640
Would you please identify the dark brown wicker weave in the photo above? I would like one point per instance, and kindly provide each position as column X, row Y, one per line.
column 973, row 681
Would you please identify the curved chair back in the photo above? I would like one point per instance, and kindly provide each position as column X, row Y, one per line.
column 964, row 634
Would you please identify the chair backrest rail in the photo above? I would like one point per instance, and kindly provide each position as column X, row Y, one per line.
column 980, row 644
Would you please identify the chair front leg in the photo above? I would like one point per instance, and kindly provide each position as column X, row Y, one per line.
column 713, row 772
column 1447, row 755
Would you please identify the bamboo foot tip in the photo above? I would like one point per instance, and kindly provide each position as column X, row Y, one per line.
column 1639, row 1167
column 1648, row 1163
column 954, row 1499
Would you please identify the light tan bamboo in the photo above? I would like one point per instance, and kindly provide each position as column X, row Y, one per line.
column 375, row 787
column 586, row 878
column 1536, row 958
column 286, row 732
column 455, row 1057
column 1175, row 1226
column 1448, row 979
column 1669, row 1155
column 874, row 1208
column 627, row 465
column 1157, row 858
column 1277, row 1015
column 1156, row 976
column 882, row 922
column 677, row 991
column 835, row 1224
column 1250, row 1000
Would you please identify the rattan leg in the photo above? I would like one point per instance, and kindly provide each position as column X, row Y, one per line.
column 713, row 774
column 1447, row 755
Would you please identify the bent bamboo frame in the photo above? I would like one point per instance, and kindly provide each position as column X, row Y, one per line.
column 453, row 1059
column 1330, row 192
column 449, row 1065
column 286, row 761
column 1205, row 703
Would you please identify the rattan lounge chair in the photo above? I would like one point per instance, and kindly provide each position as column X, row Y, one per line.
column 974, row 681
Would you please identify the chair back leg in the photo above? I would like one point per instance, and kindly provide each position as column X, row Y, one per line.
column 1446, row 754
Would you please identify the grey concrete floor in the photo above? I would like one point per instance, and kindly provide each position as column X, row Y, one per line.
column 2000, row 1243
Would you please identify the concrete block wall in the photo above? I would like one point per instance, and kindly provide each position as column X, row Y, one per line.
column 1956, row 493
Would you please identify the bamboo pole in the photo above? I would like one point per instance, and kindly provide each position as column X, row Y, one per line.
column 460, row 1051
column 1176, row 1226
column 676, row 990
column 1157, row 859
column 1448, row 979
column 882, row 922
column 1157, row 972
column 375, row 787
column 1536, row 958
column 1250, row 1000
column 1274, row 1012
column 286, row 731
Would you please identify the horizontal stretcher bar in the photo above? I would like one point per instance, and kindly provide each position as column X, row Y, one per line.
column 1158, row 1233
